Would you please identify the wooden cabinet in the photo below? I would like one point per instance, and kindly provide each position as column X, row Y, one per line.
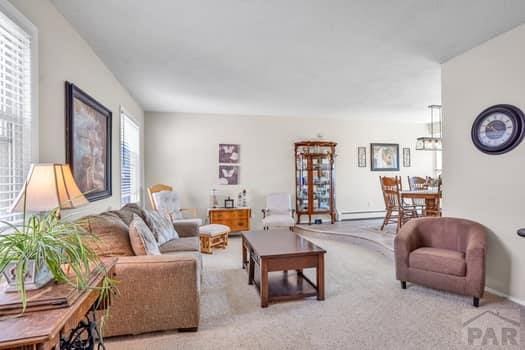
column 238, row 219
column 314, row 179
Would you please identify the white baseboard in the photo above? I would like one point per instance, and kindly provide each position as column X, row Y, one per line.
column 503, row 295
column 343, row 215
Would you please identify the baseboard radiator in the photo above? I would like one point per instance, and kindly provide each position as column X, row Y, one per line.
column 347, row 215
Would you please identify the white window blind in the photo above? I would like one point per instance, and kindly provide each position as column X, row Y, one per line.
column 15, row 113
column 129, row 159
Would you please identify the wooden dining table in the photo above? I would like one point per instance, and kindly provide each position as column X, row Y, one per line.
column 432, row 199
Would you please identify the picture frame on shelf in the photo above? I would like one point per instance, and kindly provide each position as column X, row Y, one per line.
column 384, row 157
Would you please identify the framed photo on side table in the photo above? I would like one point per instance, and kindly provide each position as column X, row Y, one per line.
column 384, row 157
column 88, row 143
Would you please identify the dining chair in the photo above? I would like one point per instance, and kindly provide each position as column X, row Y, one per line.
column 397, row 211
column 438, row 183
column 417, row 183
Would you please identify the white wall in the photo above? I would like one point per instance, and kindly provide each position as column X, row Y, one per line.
column 65, row 55
column 182, row 150
column 481, row 187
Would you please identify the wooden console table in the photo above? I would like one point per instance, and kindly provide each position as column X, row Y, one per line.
column 55, row 328
column 237, row 219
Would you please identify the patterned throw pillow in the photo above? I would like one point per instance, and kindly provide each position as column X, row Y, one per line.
column 161, row 227
column 142, row 240
column 168, row 204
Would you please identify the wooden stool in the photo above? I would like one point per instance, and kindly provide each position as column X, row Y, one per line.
column 212, row 236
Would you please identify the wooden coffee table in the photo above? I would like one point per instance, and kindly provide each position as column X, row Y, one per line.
column 286, row 251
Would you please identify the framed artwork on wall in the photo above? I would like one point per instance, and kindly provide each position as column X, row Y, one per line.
column 229, row 163
column 88, row 143
column 228, row 174
column 361, row 157
column 384, row 157
column 229, row 153
column 407, row 162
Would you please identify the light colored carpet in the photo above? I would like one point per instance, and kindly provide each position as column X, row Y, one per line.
column 367, row 230
column 365, row 308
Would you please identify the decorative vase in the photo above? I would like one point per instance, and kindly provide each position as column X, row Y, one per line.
column 36, row 276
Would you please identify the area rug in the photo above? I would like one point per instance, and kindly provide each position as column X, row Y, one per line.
column 365, row 308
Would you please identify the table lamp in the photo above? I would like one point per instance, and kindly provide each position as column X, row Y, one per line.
column 48, row 187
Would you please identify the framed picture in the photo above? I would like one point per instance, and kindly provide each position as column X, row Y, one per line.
column 88, row 143
column 229, row 153
column 228, row 174
column 361, row 157
column 384, row 157
column 406, row 157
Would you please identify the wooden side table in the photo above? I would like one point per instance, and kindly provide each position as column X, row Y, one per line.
column 60, row 328
column 237, row 219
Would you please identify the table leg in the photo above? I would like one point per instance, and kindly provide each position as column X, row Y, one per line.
column 320, row 277
column 243, row 247
column 264, row 283
column 251, row 267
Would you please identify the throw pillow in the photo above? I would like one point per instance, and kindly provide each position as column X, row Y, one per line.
column 168, row 204
column 141, row 238
column 161, row 227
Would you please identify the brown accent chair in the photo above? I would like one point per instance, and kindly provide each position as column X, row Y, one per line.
column 188, row 214
column 397, row 211
column 442, row 253
column 155, row 293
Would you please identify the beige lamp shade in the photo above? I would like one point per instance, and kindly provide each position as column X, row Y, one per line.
column 49, row 186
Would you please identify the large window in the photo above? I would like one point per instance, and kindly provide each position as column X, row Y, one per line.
column 15, row 112
column 129, row 159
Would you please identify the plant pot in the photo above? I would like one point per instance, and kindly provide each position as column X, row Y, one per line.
column 36, row 276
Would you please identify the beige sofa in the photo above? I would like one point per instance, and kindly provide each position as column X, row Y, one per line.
column 156, row 293
column 442, row 253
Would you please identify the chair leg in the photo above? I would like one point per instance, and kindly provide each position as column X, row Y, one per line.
column 387, row 218
column 403, row 285
column 475, row 302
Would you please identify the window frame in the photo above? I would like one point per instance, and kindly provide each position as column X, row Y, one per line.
column 123, row 113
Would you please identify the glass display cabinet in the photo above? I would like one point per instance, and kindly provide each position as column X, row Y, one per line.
column 314, row 179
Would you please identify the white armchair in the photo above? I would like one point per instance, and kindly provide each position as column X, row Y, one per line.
column 278, row 212
column 166, row 201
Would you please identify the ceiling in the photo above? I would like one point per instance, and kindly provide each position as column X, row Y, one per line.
column 324, row 58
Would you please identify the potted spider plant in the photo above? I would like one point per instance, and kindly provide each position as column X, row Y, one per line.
column 47, row 248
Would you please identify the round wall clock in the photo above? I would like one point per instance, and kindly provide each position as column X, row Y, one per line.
column 498, row 129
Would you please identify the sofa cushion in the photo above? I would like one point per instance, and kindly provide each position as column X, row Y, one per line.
column 444, row 261
column 142, row 240
column 161, row 227
column 126, row 213
column 112, row 237
column 190, row 244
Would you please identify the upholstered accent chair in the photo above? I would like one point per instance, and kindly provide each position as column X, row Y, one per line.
column 442, row 253
column 278, row 211
column 166, row 201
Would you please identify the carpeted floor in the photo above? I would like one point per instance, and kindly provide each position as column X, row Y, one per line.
column 365, row 308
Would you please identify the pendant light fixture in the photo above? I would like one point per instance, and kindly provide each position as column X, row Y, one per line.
column 432, row 143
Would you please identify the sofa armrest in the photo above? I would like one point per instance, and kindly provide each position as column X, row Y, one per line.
column 155, row 293
column 475, row 257
column 186, row 228
column 406, row 241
